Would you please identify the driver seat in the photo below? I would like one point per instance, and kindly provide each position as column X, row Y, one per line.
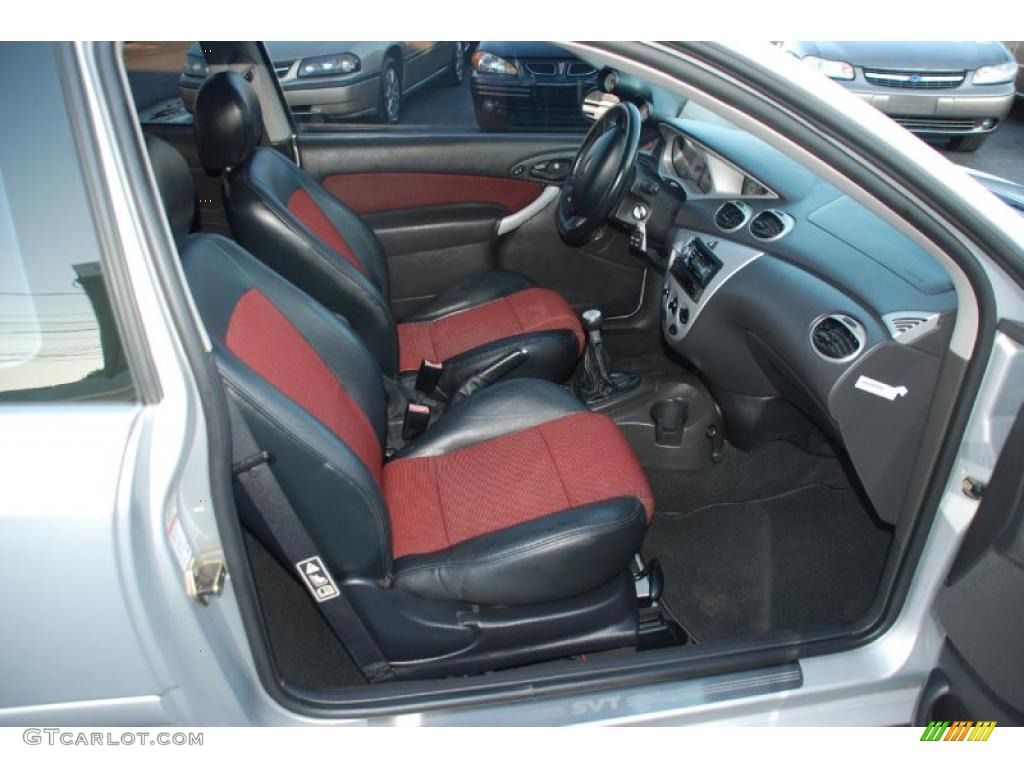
column 285, row 218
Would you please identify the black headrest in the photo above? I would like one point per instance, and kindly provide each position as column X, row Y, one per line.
column 228, row 120
column 174, row 180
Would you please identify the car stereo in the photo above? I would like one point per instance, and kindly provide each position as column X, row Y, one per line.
column 694, row 267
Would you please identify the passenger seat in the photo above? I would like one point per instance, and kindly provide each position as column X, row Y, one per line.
column 503, row 535
column 286, row 219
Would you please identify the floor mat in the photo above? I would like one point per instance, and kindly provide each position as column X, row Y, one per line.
column 803, row 558
column 307, row 651
column 773, row 468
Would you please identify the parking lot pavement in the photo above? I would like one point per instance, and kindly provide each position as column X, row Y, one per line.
column 1002, row 154
column 438, row 105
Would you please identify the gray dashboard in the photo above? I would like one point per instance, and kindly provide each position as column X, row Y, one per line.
column 834, row 237
column 756, row 328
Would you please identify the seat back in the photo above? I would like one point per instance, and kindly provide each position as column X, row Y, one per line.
column 310, row 391
column 285, row 218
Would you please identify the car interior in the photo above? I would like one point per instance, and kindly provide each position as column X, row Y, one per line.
column 541, row 399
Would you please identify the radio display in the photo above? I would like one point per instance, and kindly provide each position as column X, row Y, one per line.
column 694, row 267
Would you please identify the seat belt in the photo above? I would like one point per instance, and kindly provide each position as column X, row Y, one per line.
column 251, row 466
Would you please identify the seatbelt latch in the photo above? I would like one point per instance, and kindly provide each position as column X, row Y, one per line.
column 417, row 419
column 428, row 376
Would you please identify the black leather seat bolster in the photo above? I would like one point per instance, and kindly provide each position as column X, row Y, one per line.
column 174, row 183
column 330, row 489
column 472, row 292
column 501, row 409
column 261, row 222
column 216, row 289
column 558, row 556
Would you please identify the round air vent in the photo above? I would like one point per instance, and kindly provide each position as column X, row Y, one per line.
column 732, row 215
column 771, row 225
column 837, row 338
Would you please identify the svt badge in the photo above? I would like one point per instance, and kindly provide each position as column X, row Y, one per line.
column 317, row 579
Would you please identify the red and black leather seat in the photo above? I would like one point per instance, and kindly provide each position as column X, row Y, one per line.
column 291, row 223
column 503, row 534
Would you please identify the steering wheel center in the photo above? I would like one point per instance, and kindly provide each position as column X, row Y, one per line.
column 600, row 173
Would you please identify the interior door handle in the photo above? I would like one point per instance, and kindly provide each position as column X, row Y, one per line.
column 551, row 170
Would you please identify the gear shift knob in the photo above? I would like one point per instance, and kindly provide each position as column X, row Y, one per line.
column 592, row 319
column 597, row 382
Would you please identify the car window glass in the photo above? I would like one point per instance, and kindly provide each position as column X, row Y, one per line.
column 458, row 86
column 454, row 86
column 58, row 338
column 156, row 71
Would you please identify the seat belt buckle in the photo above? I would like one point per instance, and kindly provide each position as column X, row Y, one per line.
column 428, row 376
column 416, row 421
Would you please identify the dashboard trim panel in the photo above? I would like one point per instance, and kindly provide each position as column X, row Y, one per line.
column 666, row 168
column 733, row 256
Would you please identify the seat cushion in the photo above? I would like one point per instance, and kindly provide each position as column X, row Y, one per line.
column 546, row 511
column 524, row 312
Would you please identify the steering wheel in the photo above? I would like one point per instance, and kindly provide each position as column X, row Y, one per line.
column 599, row 174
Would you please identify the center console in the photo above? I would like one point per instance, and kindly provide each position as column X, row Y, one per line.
column 699, row 265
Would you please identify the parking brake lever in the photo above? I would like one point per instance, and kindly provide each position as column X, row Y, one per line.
column 490, row 374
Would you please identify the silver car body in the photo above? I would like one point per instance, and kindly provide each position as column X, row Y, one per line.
column 107, row 515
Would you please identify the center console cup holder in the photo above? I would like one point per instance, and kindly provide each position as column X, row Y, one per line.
column 669, row 420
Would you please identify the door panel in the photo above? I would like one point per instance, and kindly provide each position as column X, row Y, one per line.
column 403, row 173
column 367, row 193
column 979, row 676
column 324, row 153
column 433, row 247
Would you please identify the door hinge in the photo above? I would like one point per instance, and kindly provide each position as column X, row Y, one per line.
column 206, row 579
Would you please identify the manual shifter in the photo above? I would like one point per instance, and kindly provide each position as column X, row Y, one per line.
column 597, row 382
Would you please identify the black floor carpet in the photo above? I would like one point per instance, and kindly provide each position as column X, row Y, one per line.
column 805, row 557
column 307, row 652
column 773, row 468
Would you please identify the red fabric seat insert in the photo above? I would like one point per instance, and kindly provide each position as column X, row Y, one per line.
column 437, row 501
column 309, row 213
column 264, row 339
column 527, row 311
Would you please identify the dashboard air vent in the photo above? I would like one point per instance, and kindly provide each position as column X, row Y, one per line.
column 837, row 337
column 732, row 215
column 770, row 225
